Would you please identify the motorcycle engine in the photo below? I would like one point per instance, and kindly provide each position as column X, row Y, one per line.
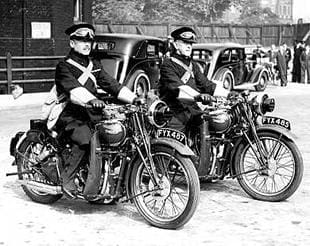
column 111, row 132
column 220, row 121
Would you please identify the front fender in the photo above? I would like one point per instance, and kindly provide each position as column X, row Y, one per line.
column 277, row 129
column 286, row 134
column 180, row 148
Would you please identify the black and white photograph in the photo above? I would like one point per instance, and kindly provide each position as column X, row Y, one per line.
column 154, row 122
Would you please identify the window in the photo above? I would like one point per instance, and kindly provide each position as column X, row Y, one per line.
column 77, row 15
column 151, row 50
column 225, row 56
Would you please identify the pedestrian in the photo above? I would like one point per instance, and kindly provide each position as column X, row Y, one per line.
column 305, row 65
column 288, row 54
column 272, row 62
column 281, row 65
column 76, row 79
column 296, row 73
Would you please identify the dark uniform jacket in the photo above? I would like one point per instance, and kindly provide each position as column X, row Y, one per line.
column 66, row 80
column 281, row 64
column 170, row 81
column 185, row 113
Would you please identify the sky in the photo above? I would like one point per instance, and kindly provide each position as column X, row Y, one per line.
column 301, row 9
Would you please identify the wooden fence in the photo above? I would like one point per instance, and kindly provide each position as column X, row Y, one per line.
column 244, row 34
column 10, row 69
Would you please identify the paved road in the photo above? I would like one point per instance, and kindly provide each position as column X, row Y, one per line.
column 225, row 216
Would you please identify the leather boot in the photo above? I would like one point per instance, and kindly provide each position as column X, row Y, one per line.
column 71, row 165
column 95, row 169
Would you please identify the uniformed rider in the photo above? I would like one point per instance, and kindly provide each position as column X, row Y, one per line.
column 77, row 78
column 181, row 77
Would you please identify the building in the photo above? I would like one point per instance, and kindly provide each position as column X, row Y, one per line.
column 282, row 8
column 36, row 28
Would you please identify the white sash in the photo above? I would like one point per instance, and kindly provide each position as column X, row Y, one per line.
column 86, row 71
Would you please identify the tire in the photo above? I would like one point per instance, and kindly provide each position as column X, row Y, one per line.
column 103, row 202
column 173, row 206
column 262, row 83
column 28, row 150
column 139, row 83
column 228, row 81
column 284, row 172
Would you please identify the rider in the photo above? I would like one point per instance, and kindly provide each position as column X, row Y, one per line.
column 181, row 77
column 76, row 79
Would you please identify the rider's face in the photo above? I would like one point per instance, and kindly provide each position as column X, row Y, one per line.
column 184, row 48
column 82, row 47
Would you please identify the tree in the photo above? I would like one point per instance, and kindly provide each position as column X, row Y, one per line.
column 117, row 10
column 253, row 13
column 173, row 11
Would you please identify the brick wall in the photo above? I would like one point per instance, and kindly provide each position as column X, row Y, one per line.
column 16, row 17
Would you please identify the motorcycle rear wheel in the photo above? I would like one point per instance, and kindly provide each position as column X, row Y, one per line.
column 28, row 149
column 284, row 173
column 175, row 203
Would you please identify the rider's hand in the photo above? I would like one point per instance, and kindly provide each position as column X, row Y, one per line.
column 205, row 99
column 96, row 103
column 138, row 101
column 232, row 94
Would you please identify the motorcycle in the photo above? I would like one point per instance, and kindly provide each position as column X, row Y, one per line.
column 156, row 174
column 238, row 140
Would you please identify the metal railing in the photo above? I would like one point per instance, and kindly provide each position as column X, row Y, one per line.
column 10, row 69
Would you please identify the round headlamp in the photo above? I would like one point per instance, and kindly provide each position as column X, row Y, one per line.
column 264, row 104
column 159, row 113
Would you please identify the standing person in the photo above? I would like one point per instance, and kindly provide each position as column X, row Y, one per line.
column 305, row 65
column 296, row 73
column 281, row 65
column 272, row 61
column 76, row 79
column 288, row 54
column 181, row 77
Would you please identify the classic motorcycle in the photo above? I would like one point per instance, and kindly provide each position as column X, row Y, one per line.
column 156, row 174
column 238, row 140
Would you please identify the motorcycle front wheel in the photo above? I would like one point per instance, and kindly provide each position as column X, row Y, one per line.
column 25, row 168
column 281, row 176
column 174, row 202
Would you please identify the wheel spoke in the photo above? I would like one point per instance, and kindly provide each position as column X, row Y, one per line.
column 279, row 172
column 172, row 198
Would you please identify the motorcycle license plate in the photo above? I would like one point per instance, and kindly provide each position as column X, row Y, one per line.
column 268, row 120
column 172, row 134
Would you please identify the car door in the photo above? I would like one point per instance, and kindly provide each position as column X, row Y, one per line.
column 237, row 65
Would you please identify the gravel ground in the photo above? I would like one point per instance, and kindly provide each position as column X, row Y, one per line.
column 225, row 215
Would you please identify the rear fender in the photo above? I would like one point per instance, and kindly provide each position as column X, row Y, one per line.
column 30, row 136
column 257, row 74
column 15, row 141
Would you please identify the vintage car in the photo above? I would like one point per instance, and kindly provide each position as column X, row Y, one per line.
column 134, row 60
column 229, row 63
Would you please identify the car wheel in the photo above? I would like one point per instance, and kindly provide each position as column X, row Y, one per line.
column 139, row 83
column 262, row 83
column 228, row 81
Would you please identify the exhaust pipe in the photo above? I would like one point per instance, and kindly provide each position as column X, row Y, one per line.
column 45, row 188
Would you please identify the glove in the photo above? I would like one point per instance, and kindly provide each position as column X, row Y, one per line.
column 96, row 103
column 138, row 101
column 232, row 94
column 206, row 99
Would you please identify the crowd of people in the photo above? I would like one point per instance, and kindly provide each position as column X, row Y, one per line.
column 280, row 58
